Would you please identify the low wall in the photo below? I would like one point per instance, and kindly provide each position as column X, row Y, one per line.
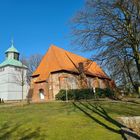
column 132, row 129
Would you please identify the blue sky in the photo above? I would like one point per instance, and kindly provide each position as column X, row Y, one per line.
column 36, row 24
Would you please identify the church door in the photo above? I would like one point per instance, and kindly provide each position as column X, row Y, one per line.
column 41, row 94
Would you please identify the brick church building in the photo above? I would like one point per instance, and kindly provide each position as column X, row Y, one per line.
column 60, row 69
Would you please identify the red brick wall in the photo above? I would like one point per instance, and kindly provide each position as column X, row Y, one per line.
column 95, row 82
column 112, row 84
column 56, row 82
column 37, row 87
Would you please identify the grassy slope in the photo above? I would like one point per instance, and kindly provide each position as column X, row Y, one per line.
column 65, row 121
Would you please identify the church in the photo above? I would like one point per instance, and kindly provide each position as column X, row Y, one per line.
column 13, row 79
column 60, row 69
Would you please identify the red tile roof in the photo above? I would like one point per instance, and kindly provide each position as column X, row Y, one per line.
column 57, row 59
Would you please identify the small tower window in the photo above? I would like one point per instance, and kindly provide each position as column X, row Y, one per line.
column 6, row 55
column 16, row 56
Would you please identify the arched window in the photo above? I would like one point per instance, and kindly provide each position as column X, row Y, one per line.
column 41, row 94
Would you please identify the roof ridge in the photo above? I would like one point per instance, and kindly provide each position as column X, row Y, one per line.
column 69, row 52
column 72, row 62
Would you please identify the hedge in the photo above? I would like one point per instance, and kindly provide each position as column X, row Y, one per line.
column 78, row 94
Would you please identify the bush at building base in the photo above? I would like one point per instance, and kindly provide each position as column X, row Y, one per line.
column 78, row 94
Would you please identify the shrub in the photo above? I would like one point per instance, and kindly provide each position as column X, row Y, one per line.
column 107, row 92
column 100, row 92
column 61, row 95
column 75, row 94
column 82, row 94
column 78, row 94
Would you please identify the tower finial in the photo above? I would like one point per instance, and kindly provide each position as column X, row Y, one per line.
column 12, row 42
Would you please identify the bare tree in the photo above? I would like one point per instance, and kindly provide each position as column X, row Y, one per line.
column 32, row 63
column 112, row 29
column 20, row 78
column 81, row 78
column 124, row 72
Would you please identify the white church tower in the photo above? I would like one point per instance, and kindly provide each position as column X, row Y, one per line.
column 13, row 77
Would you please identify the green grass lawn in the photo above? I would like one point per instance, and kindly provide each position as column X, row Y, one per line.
column 92, row 120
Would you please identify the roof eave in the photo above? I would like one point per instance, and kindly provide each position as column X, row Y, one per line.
column 13, row 65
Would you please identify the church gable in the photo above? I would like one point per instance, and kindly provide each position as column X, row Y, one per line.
column 57, row 59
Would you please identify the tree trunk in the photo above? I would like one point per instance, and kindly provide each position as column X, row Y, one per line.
column 22, row 92
column 137, row 60
column 129, row 74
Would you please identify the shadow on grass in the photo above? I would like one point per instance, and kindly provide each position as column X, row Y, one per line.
column 7, row 133
column 132, row 101
column 88, row 108
column 27, row 135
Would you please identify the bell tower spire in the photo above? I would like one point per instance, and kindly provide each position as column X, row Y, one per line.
column 12, row 52
column 12, row 42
